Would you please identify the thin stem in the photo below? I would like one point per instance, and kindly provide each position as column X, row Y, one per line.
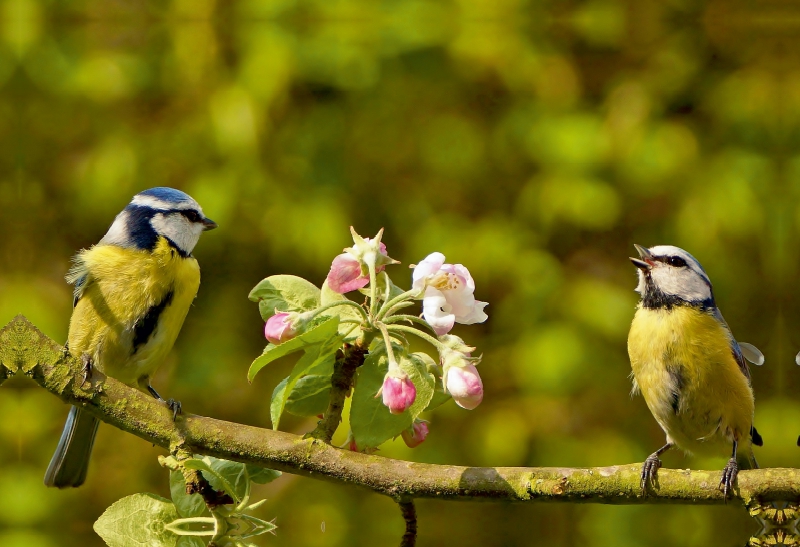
column 175, row 526
column 194, row 520
column 411, row 318
column 409, row 513
column 341, row 303
column 411, row 330
column 246, row 498
column 397, row 307
column 373, row 288
column 387, row 340
column 399, row 298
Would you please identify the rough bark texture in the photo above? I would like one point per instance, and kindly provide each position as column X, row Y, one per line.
column 344, row 371
column 24, row 349
column 410, row 517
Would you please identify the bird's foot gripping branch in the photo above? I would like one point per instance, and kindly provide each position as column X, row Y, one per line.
column 342, row 341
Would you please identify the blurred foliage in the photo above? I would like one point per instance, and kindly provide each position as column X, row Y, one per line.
column 533, row 141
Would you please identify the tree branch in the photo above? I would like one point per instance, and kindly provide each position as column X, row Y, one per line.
column 344, row 371
column 410, row 517
column 25, row 349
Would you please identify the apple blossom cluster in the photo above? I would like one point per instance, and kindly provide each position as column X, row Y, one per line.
column 324, row 324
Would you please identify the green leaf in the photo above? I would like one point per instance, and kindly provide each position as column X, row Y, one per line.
column 217, row 481
column 188, row 505
column 284, row 293
column 321, row 333
column 328, row 296
column 275, row 408
column 316, row 357
column 371, row 422
column 138, row 520
column 232, row 472
column 190, row 541
column 310, row 395
column 262, row 475
column 439, row 396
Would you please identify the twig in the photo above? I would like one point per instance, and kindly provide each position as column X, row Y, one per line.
column 344, row 370
column 410, row 517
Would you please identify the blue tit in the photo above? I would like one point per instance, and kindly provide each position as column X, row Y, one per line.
column 687, row 365
column 132, row 292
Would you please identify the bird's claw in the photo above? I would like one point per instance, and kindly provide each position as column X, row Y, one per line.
column 87, row 368
column 729, row 475
column 175, row 407
column 649, row 472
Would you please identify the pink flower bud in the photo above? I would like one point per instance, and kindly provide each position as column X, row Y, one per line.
column 279, row 328
column 345, row 274
column 398, row 393
column 415, row 435
column 465, row 386
column 349, row 271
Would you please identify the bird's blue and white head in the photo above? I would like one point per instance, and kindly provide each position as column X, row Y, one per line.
column 164, row 212
column 670, row 276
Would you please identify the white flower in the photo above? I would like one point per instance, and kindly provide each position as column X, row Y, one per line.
column 448, row 297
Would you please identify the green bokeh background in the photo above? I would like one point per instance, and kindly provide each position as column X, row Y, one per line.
column 532, row 141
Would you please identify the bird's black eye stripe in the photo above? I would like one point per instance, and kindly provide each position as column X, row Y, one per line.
column 676, row 261
column 190, row 214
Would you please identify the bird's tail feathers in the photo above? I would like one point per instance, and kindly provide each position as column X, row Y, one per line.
column 71, row 459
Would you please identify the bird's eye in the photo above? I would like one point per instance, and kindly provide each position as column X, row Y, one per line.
column 676, row 261
column 193, row 216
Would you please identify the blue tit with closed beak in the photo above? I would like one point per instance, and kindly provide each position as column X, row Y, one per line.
column 687, row 365
column 132, row 293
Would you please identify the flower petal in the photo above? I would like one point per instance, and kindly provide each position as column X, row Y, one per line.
column 435, row 310
column 428, row 266
column 345, row 274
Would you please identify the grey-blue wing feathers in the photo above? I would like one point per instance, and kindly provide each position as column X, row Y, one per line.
column 754, row 356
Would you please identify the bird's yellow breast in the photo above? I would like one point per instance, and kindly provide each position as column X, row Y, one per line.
column 131, row 308
column 684, row 366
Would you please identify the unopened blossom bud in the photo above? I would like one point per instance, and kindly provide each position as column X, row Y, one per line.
column 415, row 435
column 448, row 294
column 350, row 270
column 398, row 392
column 465, row 386
column 280, row 327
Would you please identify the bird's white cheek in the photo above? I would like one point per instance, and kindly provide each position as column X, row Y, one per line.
column 681, row 283
column 640, row 288
column 178, row 229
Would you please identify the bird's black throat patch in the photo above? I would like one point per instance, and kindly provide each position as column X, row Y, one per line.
column 147, row 325
column 655, row 298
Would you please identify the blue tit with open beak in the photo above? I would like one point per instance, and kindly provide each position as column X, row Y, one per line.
column 688, row 366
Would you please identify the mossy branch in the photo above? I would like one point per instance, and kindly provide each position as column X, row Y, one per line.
column 26, row 350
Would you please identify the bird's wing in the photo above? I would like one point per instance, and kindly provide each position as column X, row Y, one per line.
column 78, row 275
column 735, row 349
column 754, row 356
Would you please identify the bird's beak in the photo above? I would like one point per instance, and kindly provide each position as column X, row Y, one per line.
column 208, row 224
column 646, row 257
